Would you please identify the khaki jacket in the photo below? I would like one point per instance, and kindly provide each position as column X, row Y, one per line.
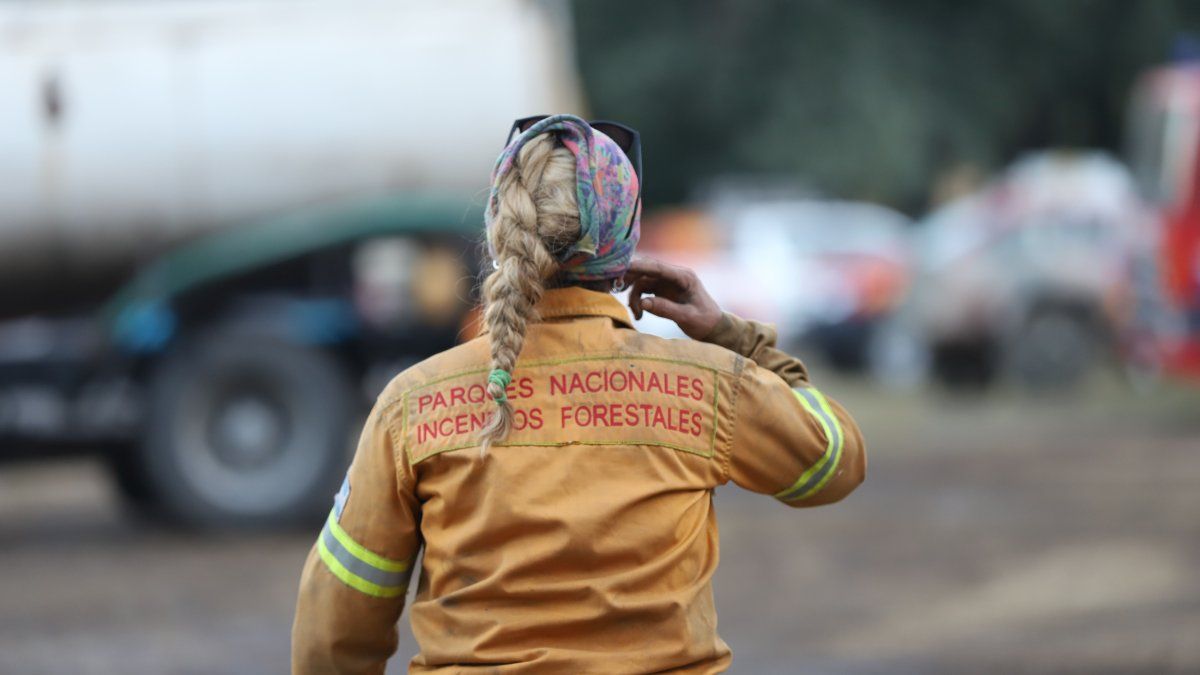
column 587, row 541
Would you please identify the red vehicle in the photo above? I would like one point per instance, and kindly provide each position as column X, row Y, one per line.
column 1165, row 154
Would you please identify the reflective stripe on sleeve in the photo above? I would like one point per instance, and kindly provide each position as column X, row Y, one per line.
column 816, row 476
column 357, row 567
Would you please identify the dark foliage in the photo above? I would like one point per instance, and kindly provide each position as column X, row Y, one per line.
column 866, row 99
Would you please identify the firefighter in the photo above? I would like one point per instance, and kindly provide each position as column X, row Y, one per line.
column 558, row 471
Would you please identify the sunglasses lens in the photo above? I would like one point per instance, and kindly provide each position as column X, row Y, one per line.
column 623, row 136
column 523, row 125
column 620, row 135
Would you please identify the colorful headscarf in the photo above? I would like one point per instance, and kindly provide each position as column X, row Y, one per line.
column 606, row 188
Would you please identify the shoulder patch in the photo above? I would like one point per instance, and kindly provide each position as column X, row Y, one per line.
column 339, row 500
column 587, row 400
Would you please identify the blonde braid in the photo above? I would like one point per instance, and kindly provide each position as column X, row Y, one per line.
column 536, row 212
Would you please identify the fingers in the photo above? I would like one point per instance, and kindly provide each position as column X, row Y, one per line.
column 671, row 285
column 667, row 309
column 650, row 267
column 636, row 290
column 678, row 295
column 644, row 266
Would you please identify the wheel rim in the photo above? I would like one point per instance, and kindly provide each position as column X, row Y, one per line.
column 1057, row 348
column 241, row 440
column 248, row 429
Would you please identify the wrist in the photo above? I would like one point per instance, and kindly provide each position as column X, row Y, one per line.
column 741, row 336
column 726, row 332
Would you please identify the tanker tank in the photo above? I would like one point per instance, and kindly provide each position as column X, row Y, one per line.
column 131, row 126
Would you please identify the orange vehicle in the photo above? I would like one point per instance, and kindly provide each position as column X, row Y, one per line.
column 1165, row 155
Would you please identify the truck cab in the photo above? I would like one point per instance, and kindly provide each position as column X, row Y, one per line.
column 224, row 382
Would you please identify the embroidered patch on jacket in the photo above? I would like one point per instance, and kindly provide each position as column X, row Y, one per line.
column 594, row 400
column 339, row 500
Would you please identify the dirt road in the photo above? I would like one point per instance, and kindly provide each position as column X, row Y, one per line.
column 992, row 535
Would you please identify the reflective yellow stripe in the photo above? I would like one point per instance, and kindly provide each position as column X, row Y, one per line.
column 362, row 553
column 353, row 580
column 841, row 441
column 816, row 476
column 358, row 567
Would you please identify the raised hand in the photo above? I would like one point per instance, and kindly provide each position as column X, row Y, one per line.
column 677, row 294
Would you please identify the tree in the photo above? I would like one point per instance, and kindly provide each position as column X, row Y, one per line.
column 866, row 99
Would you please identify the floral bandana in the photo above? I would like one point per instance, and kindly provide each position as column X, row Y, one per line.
column 606, row 188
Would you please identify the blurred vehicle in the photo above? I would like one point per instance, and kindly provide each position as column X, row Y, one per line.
column 836, row 270
column 222, row 377
column 129, row 125
column 225, row 380
column 825, row 272
column 1164, row 149
column 1028, row 276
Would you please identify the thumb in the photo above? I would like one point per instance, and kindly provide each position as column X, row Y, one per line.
column 667, row 309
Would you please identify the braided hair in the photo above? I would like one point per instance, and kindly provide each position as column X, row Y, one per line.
column 534, row 214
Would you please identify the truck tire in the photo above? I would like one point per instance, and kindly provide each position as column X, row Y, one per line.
column 247, row 431
column 966, row 365
column 1054, row 350
column 128, row 473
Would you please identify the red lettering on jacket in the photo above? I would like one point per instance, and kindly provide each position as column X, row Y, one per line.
column 525, row 387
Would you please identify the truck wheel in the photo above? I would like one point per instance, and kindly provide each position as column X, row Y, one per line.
column 966, row 365
column 247, row 431
column 1054, row 350
column 128, row 473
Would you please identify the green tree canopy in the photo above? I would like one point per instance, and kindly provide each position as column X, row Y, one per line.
column 866, row 99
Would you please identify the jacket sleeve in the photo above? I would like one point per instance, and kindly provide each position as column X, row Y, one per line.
column 353, row 584
column 789, row 440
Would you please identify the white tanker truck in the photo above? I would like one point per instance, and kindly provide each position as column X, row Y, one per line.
column 131, row 124
column 220, row 218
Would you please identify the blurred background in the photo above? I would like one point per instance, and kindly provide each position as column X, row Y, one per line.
column 226, row 224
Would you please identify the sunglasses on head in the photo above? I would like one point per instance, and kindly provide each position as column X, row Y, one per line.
column 629, row 140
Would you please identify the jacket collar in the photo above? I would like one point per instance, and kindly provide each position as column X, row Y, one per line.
column 574, row 301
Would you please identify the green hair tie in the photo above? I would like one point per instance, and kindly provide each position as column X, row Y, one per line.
column 502, row 378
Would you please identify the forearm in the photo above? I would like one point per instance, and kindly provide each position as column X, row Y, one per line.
column 352, row 587
column 756, row 341
column 842, row 465
column 338, row 629
column 794, row 442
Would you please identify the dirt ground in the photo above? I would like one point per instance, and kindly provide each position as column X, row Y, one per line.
column 994, row 534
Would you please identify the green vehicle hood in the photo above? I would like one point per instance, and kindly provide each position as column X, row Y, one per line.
column 265, row 242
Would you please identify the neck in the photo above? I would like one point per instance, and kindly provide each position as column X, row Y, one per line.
column 602, row 286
